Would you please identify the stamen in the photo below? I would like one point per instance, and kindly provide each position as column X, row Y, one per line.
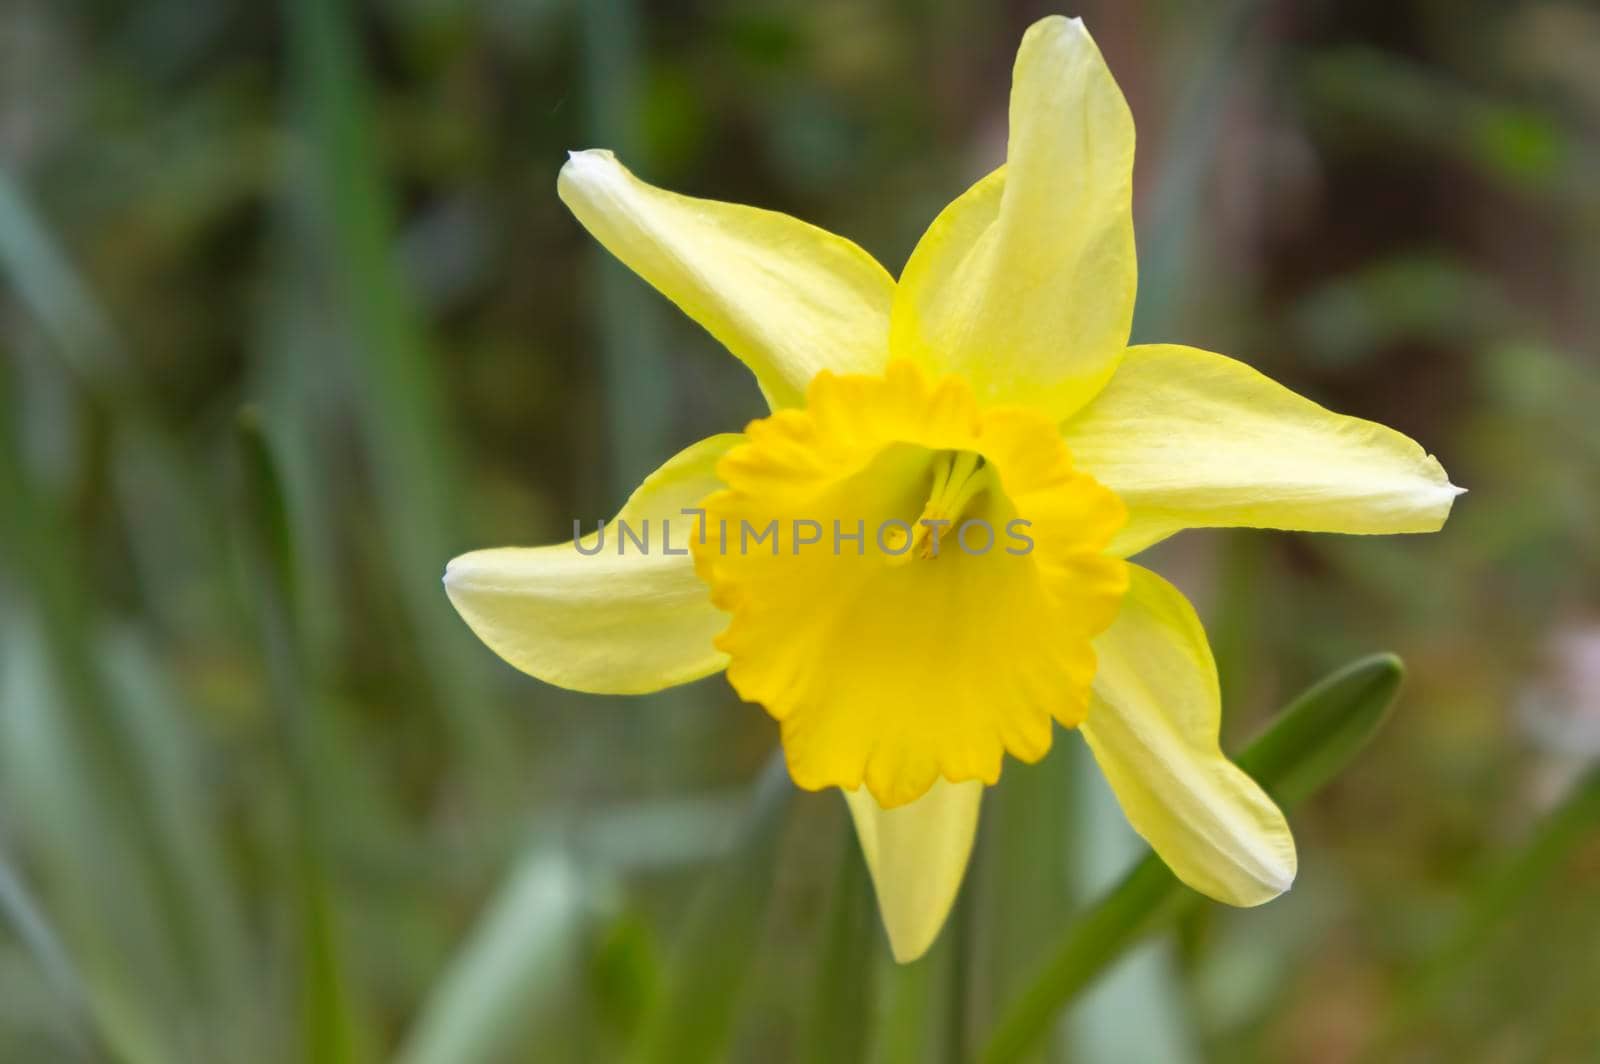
column 957, row 480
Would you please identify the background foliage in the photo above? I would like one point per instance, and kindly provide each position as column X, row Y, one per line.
column 290, row 314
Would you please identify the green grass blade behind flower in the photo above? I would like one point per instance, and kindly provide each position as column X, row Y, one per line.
column 514, row 973
column 175, row 546
column 51, row 289
column 169, row 534
column 960, row 1037
column 1169, row 212
column 1569, row 825
column 1305, row 747
column 352, row 228
column 88, row 808
column 912, row 1001
column 170, row 529
column 186, row 825
column 693, row 1017
column 33, row 930
column 624, row 315
column 328, row 1029
column 1020, row 877
column 841, row 988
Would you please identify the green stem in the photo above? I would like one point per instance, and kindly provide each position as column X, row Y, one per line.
column 1308, row 744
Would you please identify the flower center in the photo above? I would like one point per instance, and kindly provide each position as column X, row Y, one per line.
column 890, row 673
column 959, row 477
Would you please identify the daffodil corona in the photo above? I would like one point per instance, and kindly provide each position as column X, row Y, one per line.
column 903, row 644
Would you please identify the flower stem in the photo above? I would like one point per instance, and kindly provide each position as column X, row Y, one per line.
column 1306, row 746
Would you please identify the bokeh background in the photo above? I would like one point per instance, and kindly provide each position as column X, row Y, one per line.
column 290, row 314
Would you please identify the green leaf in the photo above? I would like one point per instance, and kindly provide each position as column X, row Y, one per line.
column 841, row 991
column 1031, row 838
column 33, row 930
column 519, row 961
column 624, row 315
column 694, row 1015
column 1189, row 153
column 328, row 1031
column 49, row 287
column 1309, row 743
column 1317, row 736
column 1491, row 907
column 350, row 232
column 912, row 1001
column 170, row 527
column 101, row 837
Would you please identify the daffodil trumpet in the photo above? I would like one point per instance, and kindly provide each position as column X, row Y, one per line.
column 991, row 386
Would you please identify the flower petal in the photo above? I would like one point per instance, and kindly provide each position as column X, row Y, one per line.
column 1189, row 439
column 788, row 299
column 1153, row 729
column 893, row 664
column 607, row 623
column 918, row 855
column 1025, row 284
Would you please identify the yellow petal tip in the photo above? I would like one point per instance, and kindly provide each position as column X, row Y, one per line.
column 917, row 855
column 909, row 953
column 587, row 162
column 1050, row 22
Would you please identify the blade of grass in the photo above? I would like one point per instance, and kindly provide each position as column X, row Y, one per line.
column 1570, row 824
column 401, row 412
column 1170, row 209
column 625, row 316
column 693, row 1017
column 27, row 920
column 329, row 1029
column 659, row 833
column 1021, row 876
column 911, row 1024
column 1305, row 747
column 127, row 892
column 185, row 825
column 102, row 908
column 51, row 289
column 959, row 1034
column 513, row 970
column 921, row 1010
column 178, row 536
column 841, row 990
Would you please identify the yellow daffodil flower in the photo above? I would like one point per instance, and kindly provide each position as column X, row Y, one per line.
column 991, row 388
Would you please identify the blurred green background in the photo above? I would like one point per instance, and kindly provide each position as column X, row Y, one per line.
column 290, row 314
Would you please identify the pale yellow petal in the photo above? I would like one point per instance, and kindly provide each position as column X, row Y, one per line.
column 621, row 621
column 1188, row 438
column 786, row 298
column 1153, row 729
column 1025, row 284
column 918, row 855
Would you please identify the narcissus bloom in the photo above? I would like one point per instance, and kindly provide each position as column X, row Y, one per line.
column 991, row 388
